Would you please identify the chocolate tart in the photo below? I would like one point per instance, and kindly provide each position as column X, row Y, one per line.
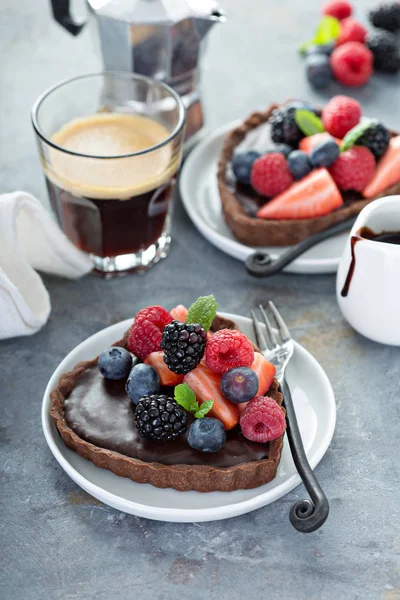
column 253, row 231
column 108, row 438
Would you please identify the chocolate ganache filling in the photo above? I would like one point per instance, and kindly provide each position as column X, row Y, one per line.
column 100, row 412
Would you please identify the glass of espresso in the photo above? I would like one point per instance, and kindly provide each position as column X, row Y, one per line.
column 110, row 146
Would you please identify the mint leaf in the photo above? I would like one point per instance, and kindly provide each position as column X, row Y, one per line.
column 328, row 30
column 203, row 311
column 351, row 137
column 308, row 122
column 185, row 397
column 204, row 409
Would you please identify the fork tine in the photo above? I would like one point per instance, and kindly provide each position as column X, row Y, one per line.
column 260, row 337
column 283, row 330
column 270, row 331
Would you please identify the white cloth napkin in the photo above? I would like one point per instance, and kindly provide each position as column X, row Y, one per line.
column 30, row 239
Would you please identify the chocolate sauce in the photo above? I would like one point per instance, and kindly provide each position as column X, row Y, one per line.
column 365, row 233
column 100, row 412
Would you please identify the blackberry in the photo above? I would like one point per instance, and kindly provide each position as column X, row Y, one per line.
column 386, row 16
column 160, row 418
column 183, row 346
column 283, row 126
column 376, row 139
column 383, row 46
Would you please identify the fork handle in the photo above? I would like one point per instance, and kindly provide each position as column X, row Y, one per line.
column 305, row 515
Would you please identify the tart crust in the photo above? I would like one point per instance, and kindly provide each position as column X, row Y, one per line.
column 200, row 478
column 253, row 231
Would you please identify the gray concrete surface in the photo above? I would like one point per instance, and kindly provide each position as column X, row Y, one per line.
column 59, row 543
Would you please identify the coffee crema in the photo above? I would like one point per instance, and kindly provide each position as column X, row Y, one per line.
column 108, row 202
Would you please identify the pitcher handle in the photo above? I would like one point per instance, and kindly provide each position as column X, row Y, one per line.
column 61, row 13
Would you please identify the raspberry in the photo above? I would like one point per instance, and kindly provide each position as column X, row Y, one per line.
column 263, row 420
column 270, row 175
column 146, row 331
column 351, row 31
column 228, row 349
column 340, row 115
column 354, row 169
column 338, row 9
column 352, row 64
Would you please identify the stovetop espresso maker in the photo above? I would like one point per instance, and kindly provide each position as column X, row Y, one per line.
column 159, row 38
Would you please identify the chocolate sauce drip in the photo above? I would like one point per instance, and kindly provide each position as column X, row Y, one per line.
column 100, row 412
column 365, row 233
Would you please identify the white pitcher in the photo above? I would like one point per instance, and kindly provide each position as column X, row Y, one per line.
column 368, row 278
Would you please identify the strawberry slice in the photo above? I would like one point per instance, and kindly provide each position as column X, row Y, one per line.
column 167, row 377
column 265, row 372
column 313, row 196
column 387, row 171
column 179, row 313
column 206, row 386
column 308, row 143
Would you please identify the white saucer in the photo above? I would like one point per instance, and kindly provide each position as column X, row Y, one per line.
column 315, row 406
column 200, row 196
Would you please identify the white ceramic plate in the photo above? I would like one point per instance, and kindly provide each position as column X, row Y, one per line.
column 315, row 407
column 200, row 196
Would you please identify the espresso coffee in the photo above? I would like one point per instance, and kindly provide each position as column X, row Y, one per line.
column 108, row 202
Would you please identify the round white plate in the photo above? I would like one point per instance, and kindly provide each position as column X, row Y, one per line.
column 200, row 196
column 315, row 407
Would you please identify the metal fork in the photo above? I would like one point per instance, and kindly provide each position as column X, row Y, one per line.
column 277, row 347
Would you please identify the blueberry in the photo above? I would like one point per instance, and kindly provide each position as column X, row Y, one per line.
column 115, row 363
column 207, row 435
column 143, row 380
column 318, row 70
column 326, row 49
column 239, row 385
column 242, row 164
column 299, row 164
column 324, row 154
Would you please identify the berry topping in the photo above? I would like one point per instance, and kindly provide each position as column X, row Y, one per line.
column 354, row 169
column 383, row 46
column 299, row 164
column 179, row 313
column 263, row 420
column 242, row 163
column 310, row 142
column 145, row 333
column 376, row 138
column 167, row 377
column 183, row 346
column 270, row 175
column 160, row 418
column 115, row 363
column 143, row 380
column 340, row 115
column 227, row 349
column 265, row 372
column 206, row 385
column 318, row 70
column 313, row 196
column 284, row 129
column 239, row 385
column 207, row 435
column 340, row 9
column 387, row 171
column 324, row 154
column 352, row 64
column 351, row 31
column 282, row 149
column 386, row 16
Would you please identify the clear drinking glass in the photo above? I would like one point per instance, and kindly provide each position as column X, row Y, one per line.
column 112, row 202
